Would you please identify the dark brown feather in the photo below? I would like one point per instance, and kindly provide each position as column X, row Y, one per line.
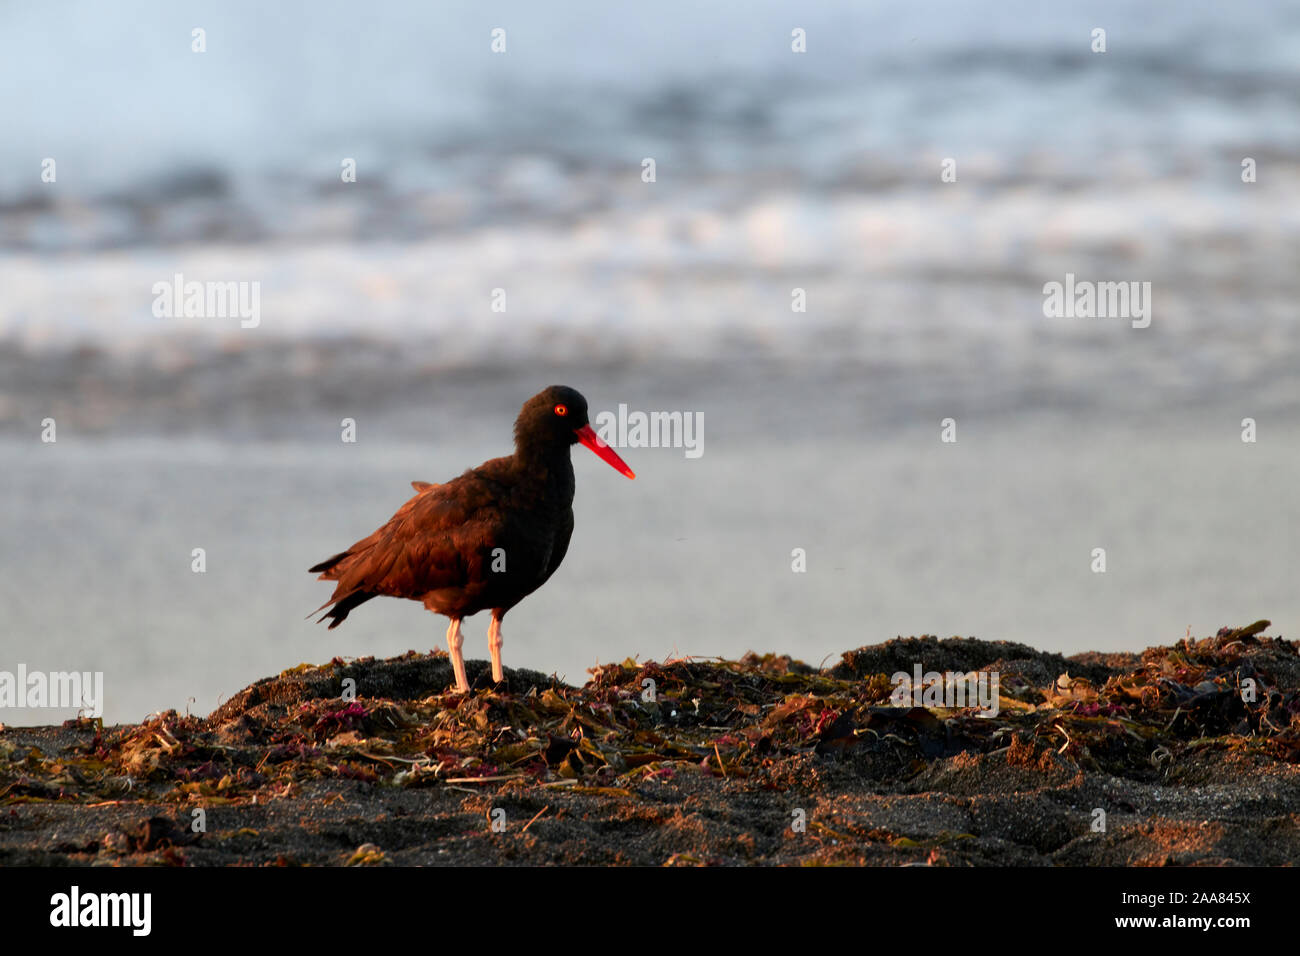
column 445, row 545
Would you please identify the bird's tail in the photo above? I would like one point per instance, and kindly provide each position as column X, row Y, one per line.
column 328, row 564
column 342, row 607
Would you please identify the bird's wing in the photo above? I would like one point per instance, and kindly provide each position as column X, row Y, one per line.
column 559, row 548
column 430, row 543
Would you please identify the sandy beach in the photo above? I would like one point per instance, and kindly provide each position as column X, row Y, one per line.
column 1180, row 755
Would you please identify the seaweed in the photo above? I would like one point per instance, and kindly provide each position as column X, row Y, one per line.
column 760, row 721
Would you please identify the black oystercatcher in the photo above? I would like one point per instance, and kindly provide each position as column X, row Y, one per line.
column 484, row 540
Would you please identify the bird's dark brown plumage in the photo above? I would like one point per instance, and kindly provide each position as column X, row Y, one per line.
column 484, row 540
column 440, row 545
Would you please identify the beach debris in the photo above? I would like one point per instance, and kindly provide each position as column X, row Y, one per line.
column 368, row 854
column 763, row 721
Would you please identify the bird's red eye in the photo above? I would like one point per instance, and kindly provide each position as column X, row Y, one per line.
column 561, row 409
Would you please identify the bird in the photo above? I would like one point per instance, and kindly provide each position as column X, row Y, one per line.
column 484, row 540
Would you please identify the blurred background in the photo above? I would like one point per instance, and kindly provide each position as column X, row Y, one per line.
column 522, row 171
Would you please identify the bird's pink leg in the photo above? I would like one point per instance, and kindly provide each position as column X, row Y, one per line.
column 454, row 643
column 494, row 645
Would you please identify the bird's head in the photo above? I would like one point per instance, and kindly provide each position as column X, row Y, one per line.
column 558, row 416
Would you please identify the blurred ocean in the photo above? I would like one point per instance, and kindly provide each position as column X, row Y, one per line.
column 522, row 171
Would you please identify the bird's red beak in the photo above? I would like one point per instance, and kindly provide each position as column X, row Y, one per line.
column 589, row 438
